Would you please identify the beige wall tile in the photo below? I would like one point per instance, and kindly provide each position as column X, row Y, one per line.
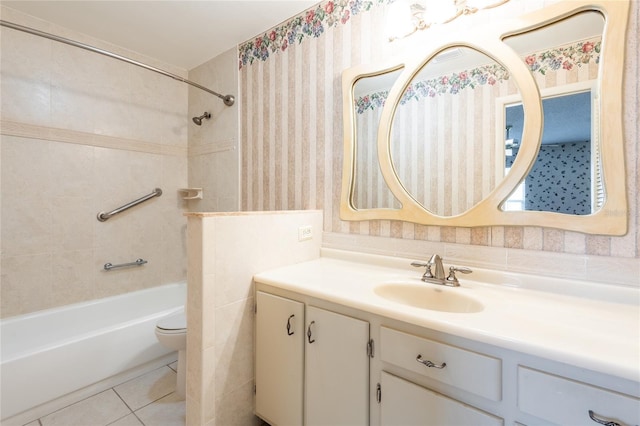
column 234, row 346
column 26, row 284
column 26, row 79
column 213, row 147
column 72, row 277
column 115, row 119
column 236, row 408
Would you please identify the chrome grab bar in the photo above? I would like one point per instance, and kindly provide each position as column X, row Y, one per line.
column 110, row 266
column 102, row 216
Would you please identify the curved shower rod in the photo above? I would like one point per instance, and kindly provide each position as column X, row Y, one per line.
column 227, row 99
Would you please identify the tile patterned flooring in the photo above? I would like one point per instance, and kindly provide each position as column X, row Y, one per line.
column 148, row 400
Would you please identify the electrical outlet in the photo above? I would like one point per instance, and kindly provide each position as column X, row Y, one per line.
column 305, row 233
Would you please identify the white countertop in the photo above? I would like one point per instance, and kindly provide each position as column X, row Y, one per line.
column 588, row 325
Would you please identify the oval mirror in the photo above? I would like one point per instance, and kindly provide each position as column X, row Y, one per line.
column 443, row 133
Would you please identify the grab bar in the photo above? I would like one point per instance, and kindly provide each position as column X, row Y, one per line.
column 110, row 266
column 102, row 216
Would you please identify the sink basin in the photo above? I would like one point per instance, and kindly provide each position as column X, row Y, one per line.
column 429, row 296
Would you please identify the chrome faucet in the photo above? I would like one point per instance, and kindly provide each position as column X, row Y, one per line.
column 439, row 276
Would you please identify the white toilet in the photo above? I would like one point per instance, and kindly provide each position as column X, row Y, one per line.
column 171, row 332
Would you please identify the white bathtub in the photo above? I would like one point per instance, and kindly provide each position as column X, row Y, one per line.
column 48, row 354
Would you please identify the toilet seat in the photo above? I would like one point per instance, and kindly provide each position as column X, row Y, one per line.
column 172, row 324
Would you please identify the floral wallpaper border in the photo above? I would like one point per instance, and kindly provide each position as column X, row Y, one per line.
column 566, row 57
column 311, row 23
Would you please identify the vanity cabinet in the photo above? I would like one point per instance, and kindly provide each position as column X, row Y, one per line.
column 313, row 368
column 325, row 360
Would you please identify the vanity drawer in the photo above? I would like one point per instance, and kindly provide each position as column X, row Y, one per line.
column 405, row 403
column 567, row 402
column 470, row 371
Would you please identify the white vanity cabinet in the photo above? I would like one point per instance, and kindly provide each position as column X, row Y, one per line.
column 432, row 368
column 327, row 357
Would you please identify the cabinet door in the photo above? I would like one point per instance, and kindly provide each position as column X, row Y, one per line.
column 336, row 369
column 404, row 403
column 279, row 359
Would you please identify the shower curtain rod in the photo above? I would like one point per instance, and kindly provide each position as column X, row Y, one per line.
column 227, row 99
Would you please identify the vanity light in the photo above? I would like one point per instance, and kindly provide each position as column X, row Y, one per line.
column 405, row 17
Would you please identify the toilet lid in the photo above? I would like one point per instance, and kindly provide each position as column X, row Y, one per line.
column 173, row 322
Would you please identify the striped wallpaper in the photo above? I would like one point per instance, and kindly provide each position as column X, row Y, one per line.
column 292, row 142
column 291, row 122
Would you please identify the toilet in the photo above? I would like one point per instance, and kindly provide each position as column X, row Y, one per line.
column 171, row 332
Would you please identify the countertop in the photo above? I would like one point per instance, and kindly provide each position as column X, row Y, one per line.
column 593, row 326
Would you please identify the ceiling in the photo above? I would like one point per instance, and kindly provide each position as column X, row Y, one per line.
column 183, row 33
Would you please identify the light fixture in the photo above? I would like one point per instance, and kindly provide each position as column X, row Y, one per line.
column 405, row 17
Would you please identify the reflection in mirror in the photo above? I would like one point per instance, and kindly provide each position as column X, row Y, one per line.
column 370, row 94
column 564, row 59
column 562, row 179
column 443, row 135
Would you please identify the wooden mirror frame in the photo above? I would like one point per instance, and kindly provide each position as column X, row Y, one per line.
column 610, row 219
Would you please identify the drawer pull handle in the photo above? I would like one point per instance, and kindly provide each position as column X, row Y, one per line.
column 309, row 332
column 593, row 417
column 289, row 332
column 429, row 363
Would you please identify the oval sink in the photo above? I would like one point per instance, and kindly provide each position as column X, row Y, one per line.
column 429, row 296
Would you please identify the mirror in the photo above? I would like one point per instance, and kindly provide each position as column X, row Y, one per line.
column 441, row 135
column 370, row 94
column 440, row 119
column 565, row 177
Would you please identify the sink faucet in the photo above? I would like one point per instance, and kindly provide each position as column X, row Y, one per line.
column 436, row 261
column 439, row 276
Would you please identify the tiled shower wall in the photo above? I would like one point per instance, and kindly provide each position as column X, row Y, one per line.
column 83, row 133
column 214, row 156
column 291, row 132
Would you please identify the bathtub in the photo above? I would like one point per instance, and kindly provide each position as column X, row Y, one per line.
column 48, row 354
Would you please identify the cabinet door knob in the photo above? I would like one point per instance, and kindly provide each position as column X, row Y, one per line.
column 289, row 332
column 309, row 332
column 593, row 417
column 429, row 363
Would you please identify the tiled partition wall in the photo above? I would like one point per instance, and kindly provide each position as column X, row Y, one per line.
column 291, row 133
column 225, row 251
column 83, row 133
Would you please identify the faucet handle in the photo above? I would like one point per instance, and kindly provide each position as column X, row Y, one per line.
column 452, row 279
column 427, row 273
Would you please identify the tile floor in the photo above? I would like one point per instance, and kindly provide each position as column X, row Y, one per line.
column 148, row 400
